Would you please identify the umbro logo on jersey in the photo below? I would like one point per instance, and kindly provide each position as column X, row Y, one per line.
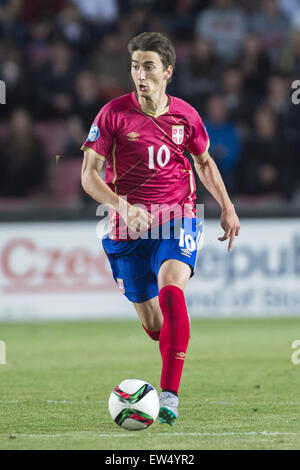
column 133, row 136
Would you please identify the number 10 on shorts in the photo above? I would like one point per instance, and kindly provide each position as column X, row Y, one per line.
column 187, row 241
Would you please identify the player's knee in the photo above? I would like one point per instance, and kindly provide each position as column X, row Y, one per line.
column 172, row 302
column 170, row 281
column 173, row 273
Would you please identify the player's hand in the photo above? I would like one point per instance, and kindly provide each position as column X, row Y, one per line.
column 136, row 218
column 230, row 224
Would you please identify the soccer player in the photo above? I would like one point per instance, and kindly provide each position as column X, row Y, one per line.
column 142, row 137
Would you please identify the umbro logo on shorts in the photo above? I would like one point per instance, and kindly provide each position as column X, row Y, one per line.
column 186, row 252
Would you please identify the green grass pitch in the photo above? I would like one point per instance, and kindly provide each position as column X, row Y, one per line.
column 239, row 389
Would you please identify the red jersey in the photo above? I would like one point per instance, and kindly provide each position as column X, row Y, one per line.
column 145, row 152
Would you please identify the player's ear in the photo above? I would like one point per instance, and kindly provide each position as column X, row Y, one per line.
column 168, row 72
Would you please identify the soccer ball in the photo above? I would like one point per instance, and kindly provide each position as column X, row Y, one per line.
column 134, row 404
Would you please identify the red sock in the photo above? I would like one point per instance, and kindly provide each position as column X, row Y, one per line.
column 153, row 334
column 174, row 336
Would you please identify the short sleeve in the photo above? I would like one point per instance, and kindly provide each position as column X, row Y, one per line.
column 101, row 135
column 199, row 140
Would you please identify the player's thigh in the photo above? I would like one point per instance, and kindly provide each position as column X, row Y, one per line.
column 150, row 314
column 174, row 272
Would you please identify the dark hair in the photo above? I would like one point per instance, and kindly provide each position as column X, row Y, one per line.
column 155, row 42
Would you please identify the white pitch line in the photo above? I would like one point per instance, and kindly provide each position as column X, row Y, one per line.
column 89, row 435
column 68, row 402
column 10, row 401
column 57, row 402
column 203, row 434
column 245, row 403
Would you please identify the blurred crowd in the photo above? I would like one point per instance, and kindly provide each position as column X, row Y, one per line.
column 62, row 60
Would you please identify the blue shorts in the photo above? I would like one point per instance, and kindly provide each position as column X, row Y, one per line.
column 135, row 263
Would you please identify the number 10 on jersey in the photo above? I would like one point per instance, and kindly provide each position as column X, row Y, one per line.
column 162, row 158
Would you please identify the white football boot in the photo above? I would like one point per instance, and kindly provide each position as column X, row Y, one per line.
column 168, row 412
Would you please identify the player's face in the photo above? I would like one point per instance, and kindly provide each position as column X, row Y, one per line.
column 148, row 73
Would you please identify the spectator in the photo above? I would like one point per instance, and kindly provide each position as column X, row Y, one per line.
column 271, row 26
column 140, row 20
column 87, row 102
column 98, row 10
column 249, row 7
column 296, row 18
column 10, row 26
column 255, row 66
column 40, row 10
column 224, row 139
column 199, row 76
column 127, row 6
column 38, row 48
column 261, row 164
column 290, row 59
column 278, row 97
column 55, row 89
column 9, row 10
column 289, row 7
column 238, row 102
column 73, row 29
column 103, row 14
column 22, row 164
column 225, row 26
column 17, row 75
column 75, row 135
column 168, row 7
column 181, row 21
column 111, row 66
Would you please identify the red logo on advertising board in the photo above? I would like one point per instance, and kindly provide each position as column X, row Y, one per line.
column 28, row 267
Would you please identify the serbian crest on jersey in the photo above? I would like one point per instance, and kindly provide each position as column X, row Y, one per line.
column 177, row 134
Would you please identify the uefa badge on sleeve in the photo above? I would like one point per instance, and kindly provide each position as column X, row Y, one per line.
column 177, row 134
column 94, row 133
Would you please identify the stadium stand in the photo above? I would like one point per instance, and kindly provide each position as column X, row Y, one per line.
column 61, row 61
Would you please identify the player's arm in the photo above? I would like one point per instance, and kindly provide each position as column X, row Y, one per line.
column 94, row 185
column 210, row 177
